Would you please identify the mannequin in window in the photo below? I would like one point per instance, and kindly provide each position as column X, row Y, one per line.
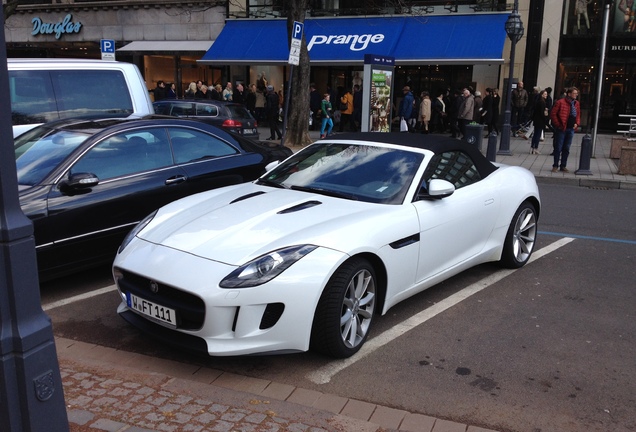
column 628, row 7
column 580, row 8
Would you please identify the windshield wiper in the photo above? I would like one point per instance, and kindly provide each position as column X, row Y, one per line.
column 325, row 192
column 271, row 183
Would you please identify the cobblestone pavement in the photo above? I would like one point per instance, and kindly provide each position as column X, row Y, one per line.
column 115, row 391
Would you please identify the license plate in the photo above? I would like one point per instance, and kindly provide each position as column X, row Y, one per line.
column 250, row 131
column 153, row 310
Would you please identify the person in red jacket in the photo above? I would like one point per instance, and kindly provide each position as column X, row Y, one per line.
column 566, row 117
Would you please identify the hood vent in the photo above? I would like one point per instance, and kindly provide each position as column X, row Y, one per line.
column 300, row 207
column 244, row 197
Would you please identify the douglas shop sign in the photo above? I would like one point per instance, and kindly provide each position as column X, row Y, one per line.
column 60, row 28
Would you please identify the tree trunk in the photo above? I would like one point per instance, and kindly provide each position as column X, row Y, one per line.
column 298, row 116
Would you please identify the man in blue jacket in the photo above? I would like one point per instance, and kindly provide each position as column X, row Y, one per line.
column 406, row 106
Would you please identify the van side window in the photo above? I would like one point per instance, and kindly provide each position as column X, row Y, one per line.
column 32, row 98
column 41, row 96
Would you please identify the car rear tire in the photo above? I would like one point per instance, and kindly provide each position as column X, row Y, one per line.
column 521, row 237
column 345, row 311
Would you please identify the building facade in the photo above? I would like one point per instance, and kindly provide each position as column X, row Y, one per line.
column 175, row 42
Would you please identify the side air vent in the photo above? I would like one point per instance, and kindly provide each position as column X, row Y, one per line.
column 300, row 207
column 244, row 197
column 272, row 314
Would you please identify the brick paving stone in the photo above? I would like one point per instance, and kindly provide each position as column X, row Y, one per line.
column 222, row 426
column 417, row 423
column 108, row 425
column 358, row 409
column 448, row 426
column 80, row 417
column 387, row 417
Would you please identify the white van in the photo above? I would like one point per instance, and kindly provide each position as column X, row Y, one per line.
column 49, row 89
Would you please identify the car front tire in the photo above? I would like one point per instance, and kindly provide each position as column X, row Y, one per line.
column 521, row 237
column 345, row 311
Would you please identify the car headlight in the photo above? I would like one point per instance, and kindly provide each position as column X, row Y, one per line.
column 136, row 230
column 265, row 268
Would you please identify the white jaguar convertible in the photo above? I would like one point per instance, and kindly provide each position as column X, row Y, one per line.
column 310, row 254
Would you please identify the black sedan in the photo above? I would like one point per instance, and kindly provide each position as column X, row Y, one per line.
column 86, row 183
column 232, row 117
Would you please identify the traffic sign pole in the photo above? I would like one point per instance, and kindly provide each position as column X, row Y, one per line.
column 294, row 60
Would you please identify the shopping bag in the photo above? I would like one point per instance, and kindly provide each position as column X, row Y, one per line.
column 403, row 126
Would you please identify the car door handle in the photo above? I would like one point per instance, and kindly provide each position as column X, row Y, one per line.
column 175, row 180
column 489, row 201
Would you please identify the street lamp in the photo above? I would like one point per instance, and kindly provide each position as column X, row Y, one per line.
column 514, row 30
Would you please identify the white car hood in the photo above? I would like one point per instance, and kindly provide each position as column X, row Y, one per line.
column 216, row 226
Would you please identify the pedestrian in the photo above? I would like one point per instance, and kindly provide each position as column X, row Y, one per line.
column 160, row 91
column 539, row 119
column 228, row 93
column 496, row 103
column 202, row 93
column 326, row 114
column 346, row 110
column 406, row 106
column 250, row 100
column 171, row 92
column 486, row 112
column 191, row 91
column 478, row 107
column 238, row 96
column 356, row 119
column 453, row 112
column 438, row 113
column 466, row 111
column 214, row 92
column 425, row 112
column 519, row 97
column 314, row 105
column 566, row 117
column 272, row 107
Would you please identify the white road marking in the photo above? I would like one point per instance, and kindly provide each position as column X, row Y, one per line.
column 80, row 297
column 325, row 373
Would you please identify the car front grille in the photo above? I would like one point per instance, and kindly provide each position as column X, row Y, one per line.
column 190, row 309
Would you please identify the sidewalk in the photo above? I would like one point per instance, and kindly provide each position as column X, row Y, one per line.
column 116, row 391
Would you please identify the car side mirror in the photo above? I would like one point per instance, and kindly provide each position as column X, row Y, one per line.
column 437, row 189
column 270, row 166
column 78, row 183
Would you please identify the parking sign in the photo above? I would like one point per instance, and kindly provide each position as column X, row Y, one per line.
column 108, row 49
column 297, row 35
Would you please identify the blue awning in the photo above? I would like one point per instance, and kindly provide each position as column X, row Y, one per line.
column 433, row 39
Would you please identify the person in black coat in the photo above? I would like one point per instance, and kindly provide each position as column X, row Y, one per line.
column 486, row 113
column 539, row 120
column 272, row 107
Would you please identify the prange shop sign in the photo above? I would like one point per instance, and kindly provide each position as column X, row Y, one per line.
column 66, row 26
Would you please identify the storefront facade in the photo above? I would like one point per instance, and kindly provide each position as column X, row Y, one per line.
column 165, row 40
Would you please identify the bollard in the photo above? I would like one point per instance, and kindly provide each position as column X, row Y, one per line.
column 586, row 154
column 491, row 151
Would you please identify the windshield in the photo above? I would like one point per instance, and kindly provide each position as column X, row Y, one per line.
column 39, row 151
column 359, row 172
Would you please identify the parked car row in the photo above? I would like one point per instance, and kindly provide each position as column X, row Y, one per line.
column 86, row 182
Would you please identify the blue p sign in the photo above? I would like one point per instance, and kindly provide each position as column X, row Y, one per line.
column 108, row 45
column 297, row 30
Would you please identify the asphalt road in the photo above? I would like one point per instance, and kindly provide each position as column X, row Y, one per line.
column 550, row 347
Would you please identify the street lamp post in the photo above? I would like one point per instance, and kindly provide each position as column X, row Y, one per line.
column 31, row 392
column 514, row 30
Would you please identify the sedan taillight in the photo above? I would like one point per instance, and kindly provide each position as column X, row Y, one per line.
column 232, row 123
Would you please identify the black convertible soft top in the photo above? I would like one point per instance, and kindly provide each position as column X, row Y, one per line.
column 435, row 143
